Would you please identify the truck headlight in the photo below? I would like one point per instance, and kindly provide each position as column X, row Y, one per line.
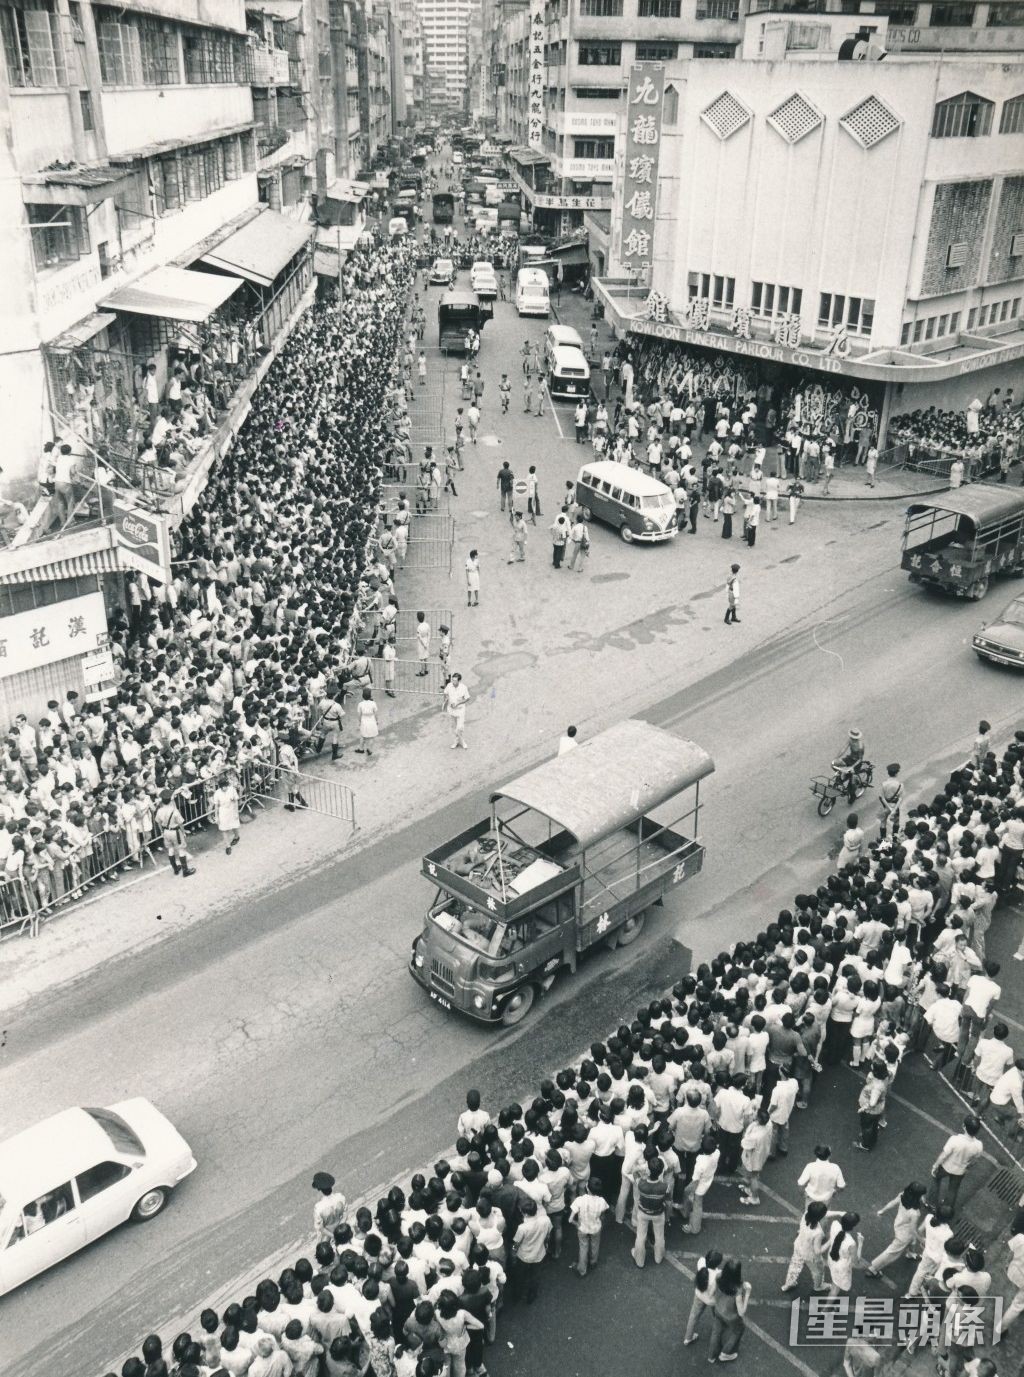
column 479, row 1002
column 648, row 524
column 417, row 957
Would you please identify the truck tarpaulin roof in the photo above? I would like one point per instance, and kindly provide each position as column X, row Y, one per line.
column 606, row 782
column 985, row 504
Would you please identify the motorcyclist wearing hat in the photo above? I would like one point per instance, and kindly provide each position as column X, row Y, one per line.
column 849, row 762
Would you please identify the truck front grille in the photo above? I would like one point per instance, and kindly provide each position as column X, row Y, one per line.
column 442, row 977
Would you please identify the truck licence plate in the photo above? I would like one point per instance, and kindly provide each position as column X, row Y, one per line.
column 440, row 999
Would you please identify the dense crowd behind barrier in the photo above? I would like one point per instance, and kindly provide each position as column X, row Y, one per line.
column 886, row 957
column 232, row 666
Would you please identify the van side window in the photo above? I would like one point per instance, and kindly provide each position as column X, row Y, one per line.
column 99, row 1177
column 42, row 1211
column 606, row 486
column 587, row 478
column 616, row 494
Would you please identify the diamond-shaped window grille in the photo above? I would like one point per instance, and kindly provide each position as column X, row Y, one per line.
column 726, row 115
column 870, row 122
column 794, row 119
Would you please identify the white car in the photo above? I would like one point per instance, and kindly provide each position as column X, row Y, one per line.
column 442, row 273
column 483, row 280
column 79, row 1174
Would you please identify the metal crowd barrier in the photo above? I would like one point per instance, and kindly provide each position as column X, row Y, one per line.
column 48, row 890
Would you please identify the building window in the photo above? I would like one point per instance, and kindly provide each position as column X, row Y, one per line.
column 120, row 55
column 600, row 55
column 966, row 116
column 248, row 148
column 31, row 35
column 60, row 234
column 159, row 45
column 918, row 331
column 1003, row 15
column 897, row 13
column 213, row 57
column 597, row 92
column 670, row 107
column 657, row 52
column 601, row 9
column 593, row 148
column 165, row 185
column 713, row 49
column 972, row 316
column 1011, row 121
column 905, row 333
column 717, row 9
column 720, row 290
column 855, row 312
column 85, row 104
column 769, row 300
column 659, row 9
column 952, row 16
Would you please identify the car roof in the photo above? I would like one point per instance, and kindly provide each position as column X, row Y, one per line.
column 564, row 334
column 482, row 263
column 624, row 477
column 50, row 1153
column 571, row 354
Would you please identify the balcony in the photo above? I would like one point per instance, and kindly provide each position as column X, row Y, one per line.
column 269, row 66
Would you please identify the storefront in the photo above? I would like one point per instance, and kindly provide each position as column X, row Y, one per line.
column 829, row 386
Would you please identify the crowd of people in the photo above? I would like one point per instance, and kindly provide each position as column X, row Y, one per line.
column 885, row 960
column 226, row 671
column 985, row 438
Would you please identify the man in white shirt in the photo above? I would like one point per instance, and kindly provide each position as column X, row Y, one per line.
column 567, row 741
column 1007, row 1098
column 992, row 1056
column 734, row 1109
column 950, row 1167
column 704, row 1168
column 980, row 993
column 529, row 1246
column 780, row 1109
column 821, row 1177
column 944, row 1020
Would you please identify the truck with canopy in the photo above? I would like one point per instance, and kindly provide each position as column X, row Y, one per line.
column 458, row 312
column 574, row 853
column 957, row 541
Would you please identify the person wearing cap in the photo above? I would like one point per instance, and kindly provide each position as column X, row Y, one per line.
column 847, row 763
column 889, row 797
column 330, row 1210
column 171, row 826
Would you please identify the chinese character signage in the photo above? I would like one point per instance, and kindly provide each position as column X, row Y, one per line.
column 835, row 1321
column 640, row 170
column 535, row 83
column 144, row 541
column 29, row 640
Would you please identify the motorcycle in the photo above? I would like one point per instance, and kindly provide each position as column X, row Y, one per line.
column 849, row 784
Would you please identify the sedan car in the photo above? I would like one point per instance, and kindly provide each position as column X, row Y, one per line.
column 483, row 280
column 77, row 1175
column 442, row 273
column 1003, row 639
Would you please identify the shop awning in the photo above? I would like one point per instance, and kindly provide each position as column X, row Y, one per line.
column 174, row 293
column 73, row 186
column 259, row 250
column 349, row 191
column 569, row 253
column 83, row 332
column 96, row 562
column 526, row 157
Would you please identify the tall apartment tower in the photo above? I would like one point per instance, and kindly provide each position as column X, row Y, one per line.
column 446, row 25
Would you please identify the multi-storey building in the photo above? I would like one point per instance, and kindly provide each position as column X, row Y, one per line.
column 565, row 165
column 409, row 29
column 446, row 25
column 856, row 224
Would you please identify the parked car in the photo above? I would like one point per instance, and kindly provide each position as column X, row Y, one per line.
column 1003, row 639
column 483, row 280
column 442, row 272
column 72, row 1178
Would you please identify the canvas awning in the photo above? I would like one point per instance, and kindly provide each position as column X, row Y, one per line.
column 174, row 293
column 259, row 250
column 83, row 331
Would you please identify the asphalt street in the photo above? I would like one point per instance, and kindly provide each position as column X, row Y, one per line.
column 283, row 1034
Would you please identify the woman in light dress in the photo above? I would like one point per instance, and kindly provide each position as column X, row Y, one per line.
column 225, row 811
column 853, row 843
column 844, row 1253
column 368, row 729
column 473, row 579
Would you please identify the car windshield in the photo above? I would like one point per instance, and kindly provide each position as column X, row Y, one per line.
column 122, row 1137
column 657, row 499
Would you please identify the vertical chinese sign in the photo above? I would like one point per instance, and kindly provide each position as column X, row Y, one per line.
column 640, row 169
column 535, row 83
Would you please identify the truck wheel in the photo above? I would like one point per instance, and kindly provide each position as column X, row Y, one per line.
column 631, row 929
column 518, row 1006
column 585, row 513
column 627, row 535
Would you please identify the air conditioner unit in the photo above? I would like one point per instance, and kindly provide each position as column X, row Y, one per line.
column 956, row 254
column 1017, row 245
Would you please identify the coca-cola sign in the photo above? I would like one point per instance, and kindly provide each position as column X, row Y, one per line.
column 144, row 542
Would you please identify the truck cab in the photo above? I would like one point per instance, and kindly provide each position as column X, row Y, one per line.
column 573, row 854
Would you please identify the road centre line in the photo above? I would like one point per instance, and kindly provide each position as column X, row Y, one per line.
column 798, row 1363
column 554, row 411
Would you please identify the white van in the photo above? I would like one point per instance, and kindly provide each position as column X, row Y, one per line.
column 637, row 506
column 568, row 373
column 79, row 1174
column 555, row 336
column 532, row 292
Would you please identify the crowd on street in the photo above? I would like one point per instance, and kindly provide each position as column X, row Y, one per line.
column 984, row 438
column 886, row 960
column 227, row 671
